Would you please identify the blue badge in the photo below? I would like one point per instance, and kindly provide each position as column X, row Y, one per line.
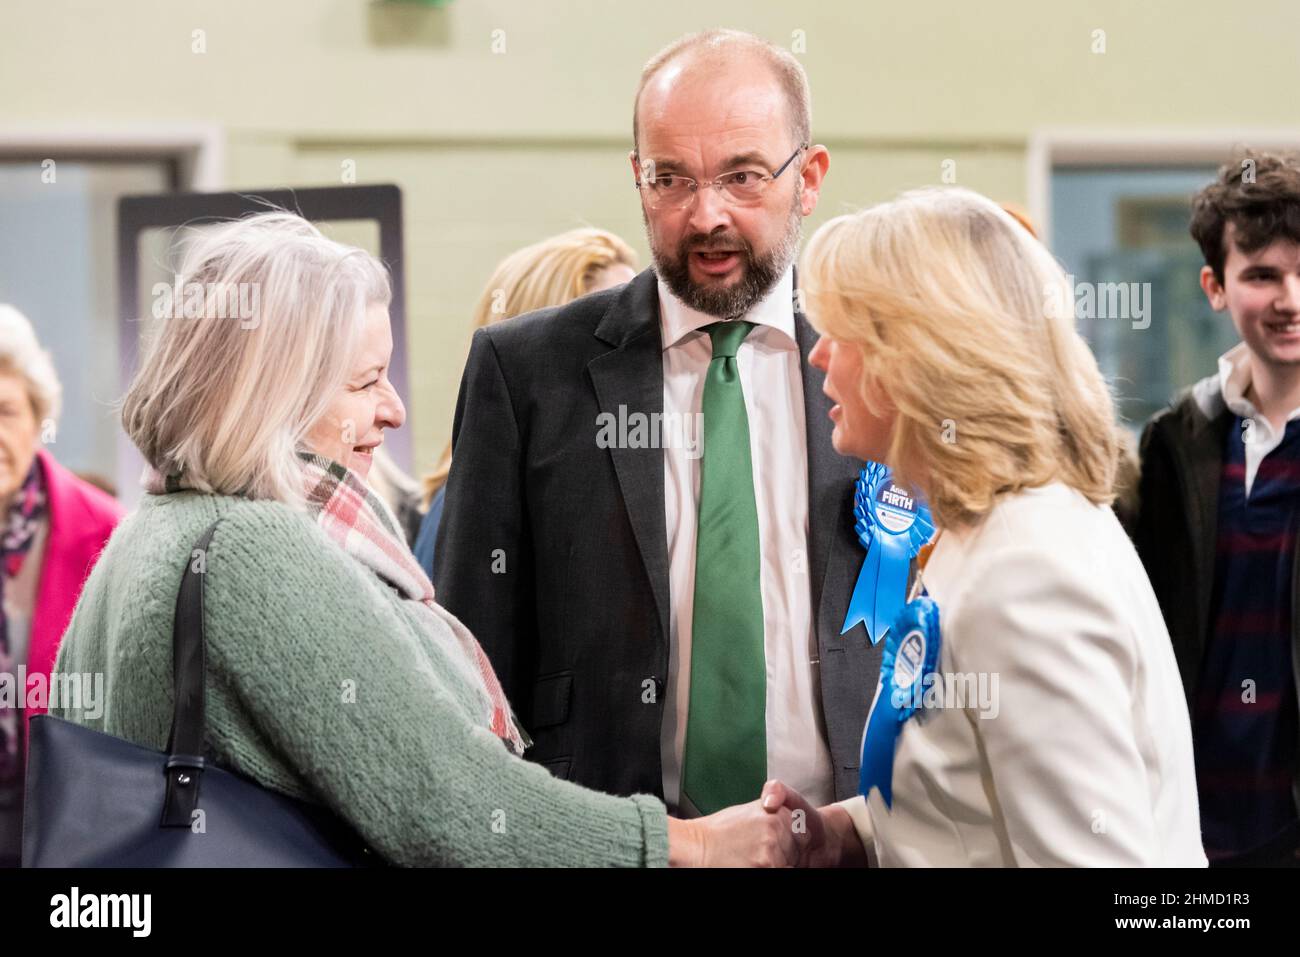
column 911, row 655
column 892, row 523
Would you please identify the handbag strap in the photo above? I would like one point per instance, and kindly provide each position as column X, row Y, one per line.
column 185, row 761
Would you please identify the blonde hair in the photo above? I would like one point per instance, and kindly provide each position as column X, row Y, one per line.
column 966, row 323
column 225, row 402
column 547, row 273
column 21, row 355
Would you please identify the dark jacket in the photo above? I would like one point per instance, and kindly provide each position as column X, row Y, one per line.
column 554, row 551
column 1176, row 524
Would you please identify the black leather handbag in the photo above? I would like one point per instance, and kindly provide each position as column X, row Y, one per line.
column 93, row 800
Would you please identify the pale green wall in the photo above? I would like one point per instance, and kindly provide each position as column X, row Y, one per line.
column 419, row 98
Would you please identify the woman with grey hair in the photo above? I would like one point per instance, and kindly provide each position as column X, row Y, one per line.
column 333, row 675
column 54, row 526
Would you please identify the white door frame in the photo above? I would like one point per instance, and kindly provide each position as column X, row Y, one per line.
column 199, row 150
column 1050, row 148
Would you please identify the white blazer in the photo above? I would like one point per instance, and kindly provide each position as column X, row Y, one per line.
column 1083, row 755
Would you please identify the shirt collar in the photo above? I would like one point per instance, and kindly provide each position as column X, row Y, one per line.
column 1234, row 383
column 1234, row 380
column 775, row 310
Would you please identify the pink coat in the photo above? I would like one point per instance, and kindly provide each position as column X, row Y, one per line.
column 81, row 518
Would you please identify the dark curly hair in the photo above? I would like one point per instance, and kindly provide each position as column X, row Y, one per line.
column 1259, row 194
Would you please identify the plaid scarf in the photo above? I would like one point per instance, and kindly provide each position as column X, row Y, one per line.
column 363, row 525
column 26, row 513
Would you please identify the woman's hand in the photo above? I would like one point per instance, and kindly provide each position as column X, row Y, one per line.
column 780, row 829
column 836, row 843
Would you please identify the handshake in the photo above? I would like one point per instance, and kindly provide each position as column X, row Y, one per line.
column 780, row 829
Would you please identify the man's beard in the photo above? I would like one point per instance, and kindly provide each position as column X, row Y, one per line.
column 759, row 273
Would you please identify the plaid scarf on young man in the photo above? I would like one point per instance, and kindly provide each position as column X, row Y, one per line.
column 363, row 525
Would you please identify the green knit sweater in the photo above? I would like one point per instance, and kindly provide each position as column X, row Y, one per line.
column 323, row 684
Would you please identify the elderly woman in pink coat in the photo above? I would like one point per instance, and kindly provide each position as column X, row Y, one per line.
column 53, row 526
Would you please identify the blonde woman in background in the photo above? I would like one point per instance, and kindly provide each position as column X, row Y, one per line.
column 549, row 273
column 950, row 351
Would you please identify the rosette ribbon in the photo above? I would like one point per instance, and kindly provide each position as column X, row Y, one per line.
column 911, row 655
column 892, row 523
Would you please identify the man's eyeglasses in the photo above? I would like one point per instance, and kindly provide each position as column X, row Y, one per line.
column 740, row 187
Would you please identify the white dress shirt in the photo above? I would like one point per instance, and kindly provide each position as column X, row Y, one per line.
column 772, row 381
column 1234, row 382
column 1083, row 756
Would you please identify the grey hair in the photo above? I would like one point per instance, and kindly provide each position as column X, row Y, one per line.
column 21, row 354
column 226, row 403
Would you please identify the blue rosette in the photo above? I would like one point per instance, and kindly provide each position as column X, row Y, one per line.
column 911, row 654
column 892, row 523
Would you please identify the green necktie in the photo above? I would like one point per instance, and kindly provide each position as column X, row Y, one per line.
column 725, row 759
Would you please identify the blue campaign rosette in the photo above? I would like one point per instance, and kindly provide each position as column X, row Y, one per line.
column 911, row 655
column 892, row 523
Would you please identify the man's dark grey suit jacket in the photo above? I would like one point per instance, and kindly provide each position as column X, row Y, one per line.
column 553, row 550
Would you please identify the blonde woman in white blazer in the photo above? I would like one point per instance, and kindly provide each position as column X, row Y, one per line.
column 951, row 354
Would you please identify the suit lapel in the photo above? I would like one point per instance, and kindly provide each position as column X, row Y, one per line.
column 628, row 380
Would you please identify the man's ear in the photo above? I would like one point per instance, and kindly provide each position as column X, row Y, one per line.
column 814, row 171
column 636, row 165
column 1213, row 289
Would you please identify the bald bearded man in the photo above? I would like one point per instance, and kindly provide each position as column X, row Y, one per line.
column 646, row 524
